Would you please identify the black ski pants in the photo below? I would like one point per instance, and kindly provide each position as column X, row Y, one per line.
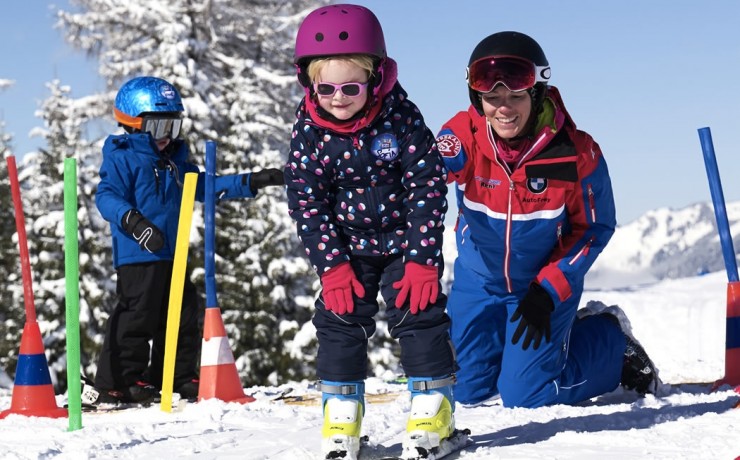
column 140, row 317
column 426, row 350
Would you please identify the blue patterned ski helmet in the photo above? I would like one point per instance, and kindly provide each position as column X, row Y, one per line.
column 145, row 95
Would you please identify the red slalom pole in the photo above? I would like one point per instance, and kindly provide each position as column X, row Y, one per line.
column 20, row 225
column 33, row 393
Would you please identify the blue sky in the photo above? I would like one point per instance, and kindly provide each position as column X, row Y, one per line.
column 640, row 76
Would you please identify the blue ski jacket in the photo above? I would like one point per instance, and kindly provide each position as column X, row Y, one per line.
column 376, row 191
column 135, row 175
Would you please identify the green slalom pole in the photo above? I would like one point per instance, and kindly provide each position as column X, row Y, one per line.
column 72, row 278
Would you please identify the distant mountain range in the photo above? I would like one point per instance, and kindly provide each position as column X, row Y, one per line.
column 662, row 243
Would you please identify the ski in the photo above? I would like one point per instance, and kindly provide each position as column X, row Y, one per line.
column 106, row 408
column 314, row 399
column 343, row 454
column 368, row 451
column 282, row 395
column 454, row 443
column 91, row 401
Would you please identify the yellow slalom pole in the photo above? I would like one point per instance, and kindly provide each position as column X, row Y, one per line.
column 176, row 287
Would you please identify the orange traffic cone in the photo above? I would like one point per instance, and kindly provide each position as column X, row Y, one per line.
column 33, row 394
column 218, row 376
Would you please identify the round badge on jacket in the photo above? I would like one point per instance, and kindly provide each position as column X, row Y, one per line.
column 537, row 184
column 385, row 147
column 449, row 145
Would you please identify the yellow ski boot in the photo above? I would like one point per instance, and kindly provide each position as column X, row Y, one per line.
column 430, row 430
column 343, row 411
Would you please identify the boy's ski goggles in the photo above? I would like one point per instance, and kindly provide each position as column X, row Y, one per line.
column 160, row 125
column 515, row 73
column 160, row 128
column 352, row 89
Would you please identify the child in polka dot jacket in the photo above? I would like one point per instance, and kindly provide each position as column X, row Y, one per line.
column 366, row 187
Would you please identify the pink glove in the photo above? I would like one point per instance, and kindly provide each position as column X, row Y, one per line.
column 422, row 281
column 338, row 284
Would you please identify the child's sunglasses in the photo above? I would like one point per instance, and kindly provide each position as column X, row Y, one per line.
column 351, row 89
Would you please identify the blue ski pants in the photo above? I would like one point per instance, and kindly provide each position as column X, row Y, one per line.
column 583, row 359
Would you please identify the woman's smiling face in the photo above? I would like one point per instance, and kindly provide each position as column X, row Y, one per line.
column 507, row 111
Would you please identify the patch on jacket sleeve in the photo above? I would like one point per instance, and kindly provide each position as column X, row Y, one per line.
column 449, row 145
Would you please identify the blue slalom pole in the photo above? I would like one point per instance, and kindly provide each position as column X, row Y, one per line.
column 210, row 232
column 219, row 377
column 715, row 187
column 732, row 338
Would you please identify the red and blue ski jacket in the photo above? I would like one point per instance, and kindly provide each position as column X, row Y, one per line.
column 547, row 220
column 379, row 190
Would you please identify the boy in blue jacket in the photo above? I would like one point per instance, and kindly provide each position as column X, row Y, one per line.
column 140, row 193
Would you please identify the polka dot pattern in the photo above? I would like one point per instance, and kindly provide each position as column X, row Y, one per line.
column 377, row 191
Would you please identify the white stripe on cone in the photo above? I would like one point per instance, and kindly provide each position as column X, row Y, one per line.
column 216, row 351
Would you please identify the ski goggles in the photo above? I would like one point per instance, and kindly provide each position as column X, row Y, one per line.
column 351, row 89
column 161, row 128
column 515, row 73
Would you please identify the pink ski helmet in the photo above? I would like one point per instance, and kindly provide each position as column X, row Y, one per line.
column 339, row 29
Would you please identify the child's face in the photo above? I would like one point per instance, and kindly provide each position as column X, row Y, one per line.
column 338, row 72
column 162, row 143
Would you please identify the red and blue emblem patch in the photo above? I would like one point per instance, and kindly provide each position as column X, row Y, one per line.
column 449, row 145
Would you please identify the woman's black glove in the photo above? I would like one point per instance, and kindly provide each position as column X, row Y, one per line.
column 265, row 178
column 149, row 237
column 533, row 314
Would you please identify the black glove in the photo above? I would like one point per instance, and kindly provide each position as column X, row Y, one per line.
column 265, row 178
column 149, row 237
column 534, row 310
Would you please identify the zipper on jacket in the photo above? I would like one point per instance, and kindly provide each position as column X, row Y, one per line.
column 507, row 236
column 156, row 179
column 507, row 255
column 373, row 201
column 583, row 252
column 591, row 203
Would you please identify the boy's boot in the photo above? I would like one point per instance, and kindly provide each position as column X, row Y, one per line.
column 189, row 390
column 432, row 419
column 141, row 393
column 344, row 406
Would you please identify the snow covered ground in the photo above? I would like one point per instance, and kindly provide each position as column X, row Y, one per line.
column 680, row 323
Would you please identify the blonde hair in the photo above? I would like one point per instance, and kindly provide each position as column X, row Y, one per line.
column 362, row 61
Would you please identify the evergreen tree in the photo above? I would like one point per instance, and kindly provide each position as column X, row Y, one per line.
column 12, row 311
column 42, row 178
column 232, row 62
